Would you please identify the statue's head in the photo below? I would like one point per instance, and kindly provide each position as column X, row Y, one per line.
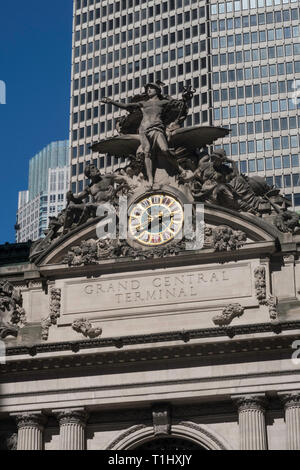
column 218, row 156
column 91, row 171
column 220, row 153
column 153, row 89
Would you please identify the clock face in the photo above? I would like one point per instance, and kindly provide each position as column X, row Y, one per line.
column 155, row 219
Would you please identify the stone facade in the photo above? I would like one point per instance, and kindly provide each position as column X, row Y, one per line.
column 193, row 347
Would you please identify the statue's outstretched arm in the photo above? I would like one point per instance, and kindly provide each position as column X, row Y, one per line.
column 126, row 106
column 234, row 165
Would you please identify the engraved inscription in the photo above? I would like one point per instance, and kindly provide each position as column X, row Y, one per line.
column 159, row 288
column 139, row 290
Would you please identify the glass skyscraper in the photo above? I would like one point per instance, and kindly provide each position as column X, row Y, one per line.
column 242, row 57
column 48, row 183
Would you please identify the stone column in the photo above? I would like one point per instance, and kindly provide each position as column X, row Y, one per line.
column 252, row 422
column 72, row 429
column 30, row 430
column 292, row 418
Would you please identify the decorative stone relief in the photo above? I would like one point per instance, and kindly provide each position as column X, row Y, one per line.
column 55, row 305
column 261, row 293
column 229, row 313
column 161, row 415
column 272, row 303
column 260, row 284
column 92, row 251
column 226, row 239
column 85, row 327
column 12, row 314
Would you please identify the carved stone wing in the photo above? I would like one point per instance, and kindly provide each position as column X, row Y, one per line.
column 197, row 136
column 191, row 138
column 119, row 146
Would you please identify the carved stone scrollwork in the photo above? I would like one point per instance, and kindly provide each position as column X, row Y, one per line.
column 12, row 314
column 85, row 327
column 229, row 313
column 55, row 305
column 161, row 415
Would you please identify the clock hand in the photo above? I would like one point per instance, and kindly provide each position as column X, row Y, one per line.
column 143, row 226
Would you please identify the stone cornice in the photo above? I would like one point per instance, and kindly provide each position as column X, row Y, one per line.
column 120, row 342
column 209, row 352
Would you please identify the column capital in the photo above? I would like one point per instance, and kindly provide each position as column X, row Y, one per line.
column 71, row 416
column 30, row 419
column 291, row 399
column 250, row 402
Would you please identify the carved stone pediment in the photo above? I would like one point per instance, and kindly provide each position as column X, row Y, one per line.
column 225, row 230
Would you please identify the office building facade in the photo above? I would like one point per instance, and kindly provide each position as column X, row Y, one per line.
column 242, row 57
column 48, row 184
column 119, row 46
column 255, row 49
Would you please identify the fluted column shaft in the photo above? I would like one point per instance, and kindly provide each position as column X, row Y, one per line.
column 252, row 423
column 72, row 429
column 30, row 431
column 292, row 419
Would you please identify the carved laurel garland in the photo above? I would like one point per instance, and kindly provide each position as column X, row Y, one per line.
column 261, row 293
column 54, row 306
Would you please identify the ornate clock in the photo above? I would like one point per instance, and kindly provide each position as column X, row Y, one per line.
column 155, row 219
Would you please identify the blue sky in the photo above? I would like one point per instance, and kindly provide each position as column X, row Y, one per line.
column 35, row 64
